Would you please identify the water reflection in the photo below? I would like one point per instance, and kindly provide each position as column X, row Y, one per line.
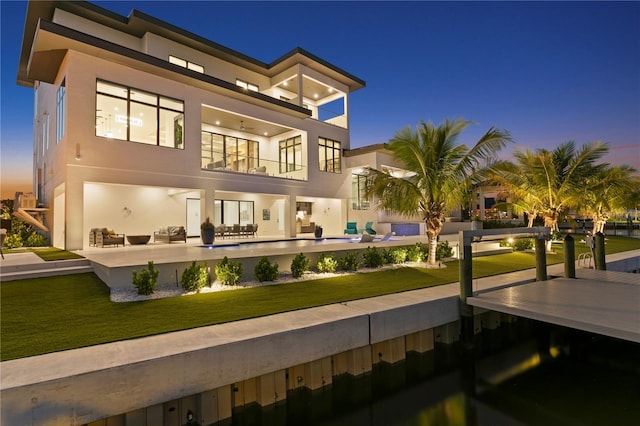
column 552, row 376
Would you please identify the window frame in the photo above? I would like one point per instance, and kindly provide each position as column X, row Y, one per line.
column 142, row 98
column 293, row 147
column 61, row 101
column 330, row 160
column 228, row 143
column 187, row 64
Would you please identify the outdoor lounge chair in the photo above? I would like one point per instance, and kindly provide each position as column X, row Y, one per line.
column 387, row 236
column 366, row 238
column 351, row 229
column 368, row 228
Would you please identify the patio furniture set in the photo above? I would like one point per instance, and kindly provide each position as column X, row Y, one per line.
column 100, row 237
column 352, row 229
column 236, row 230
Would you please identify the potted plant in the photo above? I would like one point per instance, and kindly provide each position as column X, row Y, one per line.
column 318, row 231
column 207, row 232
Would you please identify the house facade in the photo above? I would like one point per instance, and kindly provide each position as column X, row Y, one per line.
column 140, row 125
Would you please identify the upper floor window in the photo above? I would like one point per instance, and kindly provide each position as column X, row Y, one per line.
column 291, row 154
column 246, row 85
column 358, row 190
column 60, row 111
column 134, row 115
column 329, row 155
column 186, row 64
column 221, row 152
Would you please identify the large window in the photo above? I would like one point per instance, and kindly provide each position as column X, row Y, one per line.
column 60, row 111
column 221, row 152
column 358, row 189
column 291, row 154
column 135, row 115
column 231, row 212
column 329, row 154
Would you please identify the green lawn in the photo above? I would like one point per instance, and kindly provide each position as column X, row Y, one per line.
column 59, row 313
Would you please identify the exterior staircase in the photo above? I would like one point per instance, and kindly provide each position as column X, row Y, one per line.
column 45, row 269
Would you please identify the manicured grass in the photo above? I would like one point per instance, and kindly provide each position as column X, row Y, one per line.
column 53, row 253
column 59, row 313
column 47, row 253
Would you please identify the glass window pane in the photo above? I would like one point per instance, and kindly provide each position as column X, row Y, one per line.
column 195, row 67
column 111, row 89
column 172, row 104
column 246, row 212
column 147, row 98
column 217, row 211
column 171, row 129
column 109, row 111
column 231, row 212
column 144, row 124
column 177, row 61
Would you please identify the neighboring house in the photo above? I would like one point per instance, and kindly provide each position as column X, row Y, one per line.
column 363, row 210
column 140, row 125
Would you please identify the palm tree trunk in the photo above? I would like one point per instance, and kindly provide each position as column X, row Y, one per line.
column 550, row 221
column 433, row 246
column 434, row 226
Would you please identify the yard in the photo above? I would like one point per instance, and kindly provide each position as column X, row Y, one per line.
column 59, row 313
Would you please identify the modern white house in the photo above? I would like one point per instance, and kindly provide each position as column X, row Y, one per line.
column 140, row 125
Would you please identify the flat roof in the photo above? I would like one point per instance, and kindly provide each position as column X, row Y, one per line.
column 139, row 23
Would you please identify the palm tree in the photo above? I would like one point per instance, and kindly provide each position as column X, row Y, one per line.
column 551, row 182
column 438, row 173
column 607, row 191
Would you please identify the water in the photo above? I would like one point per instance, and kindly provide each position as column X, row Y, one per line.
column 547, row 376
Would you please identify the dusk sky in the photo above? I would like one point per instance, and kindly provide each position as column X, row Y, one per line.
column 548, row 72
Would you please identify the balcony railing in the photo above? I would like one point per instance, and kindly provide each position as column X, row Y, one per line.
column 260, row 167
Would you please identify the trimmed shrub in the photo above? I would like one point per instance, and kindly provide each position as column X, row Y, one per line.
column 397, row 255
column 145, row 281
column 327, row 263
column 417, row 252
column 265, row 270
column 36, row 240
column 194, row 277
column 350, row 261
column 522, row 244
column 372, row 258
column 228, row 271
column 299, row 265
column 444, row 250
column 13, row 241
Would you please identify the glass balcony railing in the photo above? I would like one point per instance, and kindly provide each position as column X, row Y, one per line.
column 255, row 166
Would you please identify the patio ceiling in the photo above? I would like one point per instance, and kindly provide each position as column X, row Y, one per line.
column 237, row 122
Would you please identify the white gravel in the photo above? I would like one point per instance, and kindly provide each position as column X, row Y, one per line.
column 171, row 290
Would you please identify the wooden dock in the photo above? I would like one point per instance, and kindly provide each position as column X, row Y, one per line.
column 601, row 302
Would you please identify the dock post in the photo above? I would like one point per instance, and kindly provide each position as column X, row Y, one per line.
column 541, row 259
column 599, row 259
column 466, row 316
column 569, row 257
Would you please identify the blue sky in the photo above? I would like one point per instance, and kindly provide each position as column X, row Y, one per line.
column 548, row 72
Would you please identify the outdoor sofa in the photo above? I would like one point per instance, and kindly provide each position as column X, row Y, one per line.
column 170, row 234
column 101, row 237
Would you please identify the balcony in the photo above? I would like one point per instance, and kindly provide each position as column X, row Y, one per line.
column 256, row 166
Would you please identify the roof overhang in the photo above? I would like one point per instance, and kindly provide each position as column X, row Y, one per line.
column 139, row 23
column 51, row 42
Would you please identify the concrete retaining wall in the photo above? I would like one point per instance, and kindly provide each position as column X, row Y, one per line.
column 210, row 370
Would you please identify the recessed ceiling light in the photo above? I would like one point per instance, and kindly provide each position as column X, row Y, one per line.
column 217, row 122
column 315, row 96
